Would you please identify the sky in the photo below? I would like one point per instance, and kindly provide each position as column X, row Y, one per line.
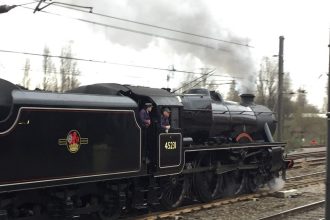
column 259, row 23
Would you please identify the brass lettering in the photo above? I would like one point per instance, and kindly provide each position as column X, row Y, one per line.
column 170, row 145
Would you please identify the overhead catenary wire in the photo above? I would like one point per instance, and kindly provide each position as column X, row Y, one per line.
column 219, row 84
column 131, row 76
column 120, row 64
column 107, row 62
column 194, row 80
column 112, row 63
column 227, row 76
column 220, row 81
column 52, row 72
column 148, row 25
column 28, row 3
column 66, row 5
column 135, row 31
column 7, row 8
column 94, row 61
column 202, row 79
column 150, row 34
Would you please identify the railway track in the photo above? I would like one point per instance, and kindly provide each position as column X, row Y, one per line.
column 305, row 155
column 293, row 178
column 301, row 209
column 309, row 163
column 292, row 183
column 307, row 159
column 198, row 207
column 305, row 180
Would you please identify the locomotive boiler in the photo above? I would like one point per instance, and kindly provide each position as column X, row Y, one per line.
column 84, row 152
column 207, row 117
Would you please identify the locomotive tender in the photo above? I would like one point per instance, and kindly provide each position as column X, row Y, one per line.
column 65, row 155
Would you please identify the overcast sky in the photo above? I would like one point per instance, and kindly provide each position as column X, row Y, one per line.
column 259, row 23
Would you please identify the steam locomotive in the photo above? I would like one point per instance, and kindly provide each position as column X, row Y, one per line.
column 84, row 152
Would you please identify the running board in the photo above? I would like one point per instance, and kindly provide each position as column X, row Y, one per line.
column 221, row 169
column 233, row 146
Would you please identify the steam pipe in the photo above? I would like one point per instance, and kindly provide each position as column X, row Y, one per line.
column 268, row 133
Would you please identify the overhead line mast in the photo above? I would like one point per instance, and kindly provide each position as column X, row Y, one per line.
column 327, row 183
column 280, row 91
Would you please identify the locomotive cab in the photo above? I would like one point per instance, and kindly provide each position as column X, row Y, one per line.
column 162, row 151
column 163, row 148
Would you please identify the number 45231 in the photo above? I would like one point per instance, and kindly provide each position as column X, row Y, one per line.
column 170, row 145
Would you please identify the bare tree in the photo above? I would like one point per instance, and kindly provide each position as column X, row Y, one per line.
column 69, row 71
column 26, row 77
column 266, row 83
column 50, row 82
column 233, row 94
column 54, row 77
column 301, row 98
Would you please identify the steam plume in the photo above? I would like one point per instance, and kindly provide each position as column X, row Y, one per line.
column 276, row 184
column 189, row 16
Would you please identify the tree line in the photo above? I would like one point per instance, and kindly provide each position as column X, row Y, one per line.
column 302, row 123
column 55, row 79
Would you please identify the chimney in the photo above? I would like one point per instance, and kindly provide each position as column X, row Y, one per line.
column 247, row 99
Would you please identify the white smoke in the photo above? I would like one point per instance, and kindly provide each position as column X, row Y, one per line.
column 276, row 184
column 188, row 16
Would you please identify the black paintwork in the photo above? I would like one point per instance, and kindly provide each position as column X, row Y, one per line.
column 34, row 127
column 160, row 97
column 101, row 89
column 33, row 140
column 71, row 100
column 6, row 98
column 206, row 114
column 170, row 150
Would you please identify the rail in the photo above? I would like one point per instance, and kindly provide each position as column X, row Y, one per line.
column 306, row 175
column 296, row 156
column 300, row 209
column 313, row 146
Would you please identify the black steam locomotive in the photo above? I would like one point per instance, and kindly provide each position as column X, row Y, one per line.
column 84, row 152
